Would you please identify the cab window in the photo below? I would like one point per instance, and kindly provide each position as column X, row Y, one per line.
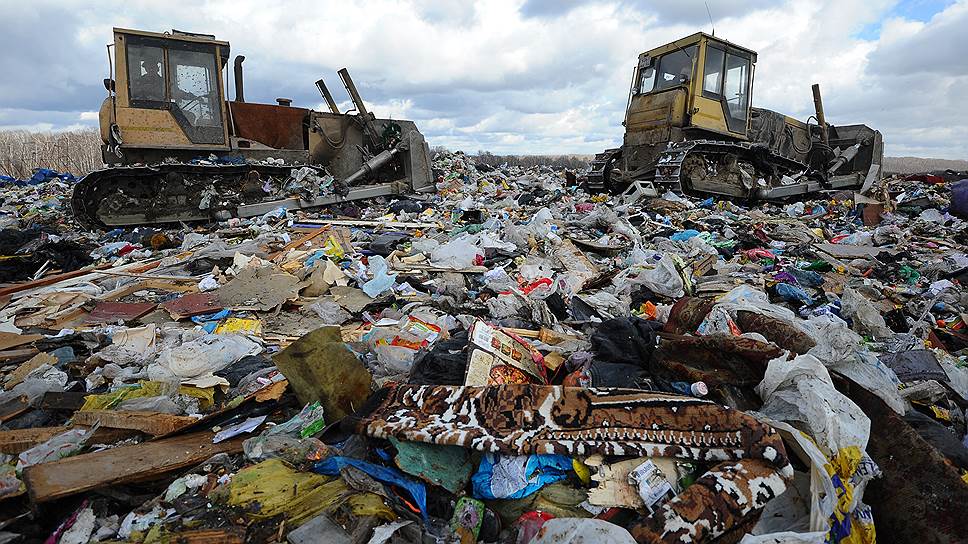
column 146, row 73
column 194, row 86
column 712, row 81
column 736, row 91
column 675, row 68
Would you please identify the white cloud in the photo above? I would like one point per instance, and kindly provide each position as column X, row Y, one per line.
column 527, row 75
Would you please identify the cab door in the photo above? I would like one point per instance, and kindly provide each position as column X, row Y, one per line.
column 168, row 84
column 722, row 103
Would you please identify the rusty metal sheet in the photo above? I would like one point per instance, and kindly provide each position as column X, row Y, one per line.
column 112, row 312
column 280, row 127
column 192, row 304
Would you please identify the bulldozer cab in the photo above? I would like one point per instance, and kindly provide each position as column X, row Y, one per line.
column 167, row 92
column 696, row 83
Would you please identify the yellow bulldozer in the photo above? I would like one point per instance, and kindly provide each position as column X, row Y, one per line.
column 690, row 127
column 178, row 149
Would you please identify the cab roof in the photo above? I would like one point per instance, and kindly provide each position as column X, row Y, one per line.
column 174, row 35
column 694, row 39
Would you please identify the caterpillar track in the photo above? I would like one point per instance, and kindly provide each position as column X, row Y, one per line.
column 738, row 169
column 170, row 193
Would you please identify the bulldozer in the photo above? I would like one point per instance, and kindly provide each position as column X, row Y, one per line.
column 177, row 150
column 690, row 127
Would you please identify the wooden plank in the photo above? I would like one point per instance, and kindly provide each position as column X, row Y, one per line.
column 11, row 340
column 192, row 279
column 18, row 440
column 229, row 535
column 13, row 408
column 68, row 400
column 153, row 423
column 299, row 242
column 126, row 464
column 18, row 354
column 49, row 280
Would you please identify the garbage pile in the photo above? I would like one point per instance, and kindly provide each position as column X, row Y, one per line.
column 509, row 360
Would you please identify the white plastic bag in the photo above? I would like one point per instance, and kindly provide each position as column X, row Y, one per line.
column 801, row 391
column 664, row 279
column 203, row 356
column 867, row 319
column 457, row 254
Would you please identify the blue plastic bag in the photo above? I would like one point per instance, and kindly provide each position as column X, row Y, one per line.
column 792, row 293
column 332, row 465
column 517, row 476
column 684, row 235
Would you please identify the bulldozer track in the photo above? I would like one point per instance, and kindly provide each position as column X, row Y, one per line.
column 129, row 196
column 669, row 164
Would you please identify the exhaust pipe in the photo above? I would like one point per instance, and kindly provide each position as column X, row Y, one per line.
column 239, row 89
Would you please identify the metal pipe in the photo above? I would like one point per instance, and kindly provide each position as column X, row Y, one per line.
column 818, row 106
column 321, row 85
column 371, row 165
column 239, row 89
column 344, row 75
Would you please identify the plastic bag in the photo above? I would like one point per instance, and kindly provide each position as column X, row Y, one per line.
column 517, row 476
column 664, row 279
column 291, row 441
column 457, row 254
column 867, row 371
column 330, row 312
column 792, row 293
column 801, row 391
column 382, row 281
column 205, row 355
column 835, row 342
column 867, row 319
column 63, row 445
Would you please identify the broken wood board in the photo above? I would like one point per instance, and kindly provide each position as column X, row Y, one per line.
column 153, row 423
column 142, row 285
column 17, row 355
column 614, row 488
column 19, row 440
column 20, row 287
column 228, row 535
column 20, row 373
column 68, row 400
column 299, row 242
column 112, row 312
column 122, row 465
column 13, row 408
column 11, row 340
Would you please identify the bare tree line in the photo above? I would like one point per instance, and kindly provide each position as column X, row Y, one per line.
column 77, row 152
column 570, row 162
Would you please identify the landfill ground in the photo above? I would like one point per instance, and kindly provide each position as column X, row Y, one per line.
column 509, row 359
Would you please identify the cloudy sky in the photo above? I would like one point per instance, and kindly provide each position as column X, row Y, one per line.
column 518, row 76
